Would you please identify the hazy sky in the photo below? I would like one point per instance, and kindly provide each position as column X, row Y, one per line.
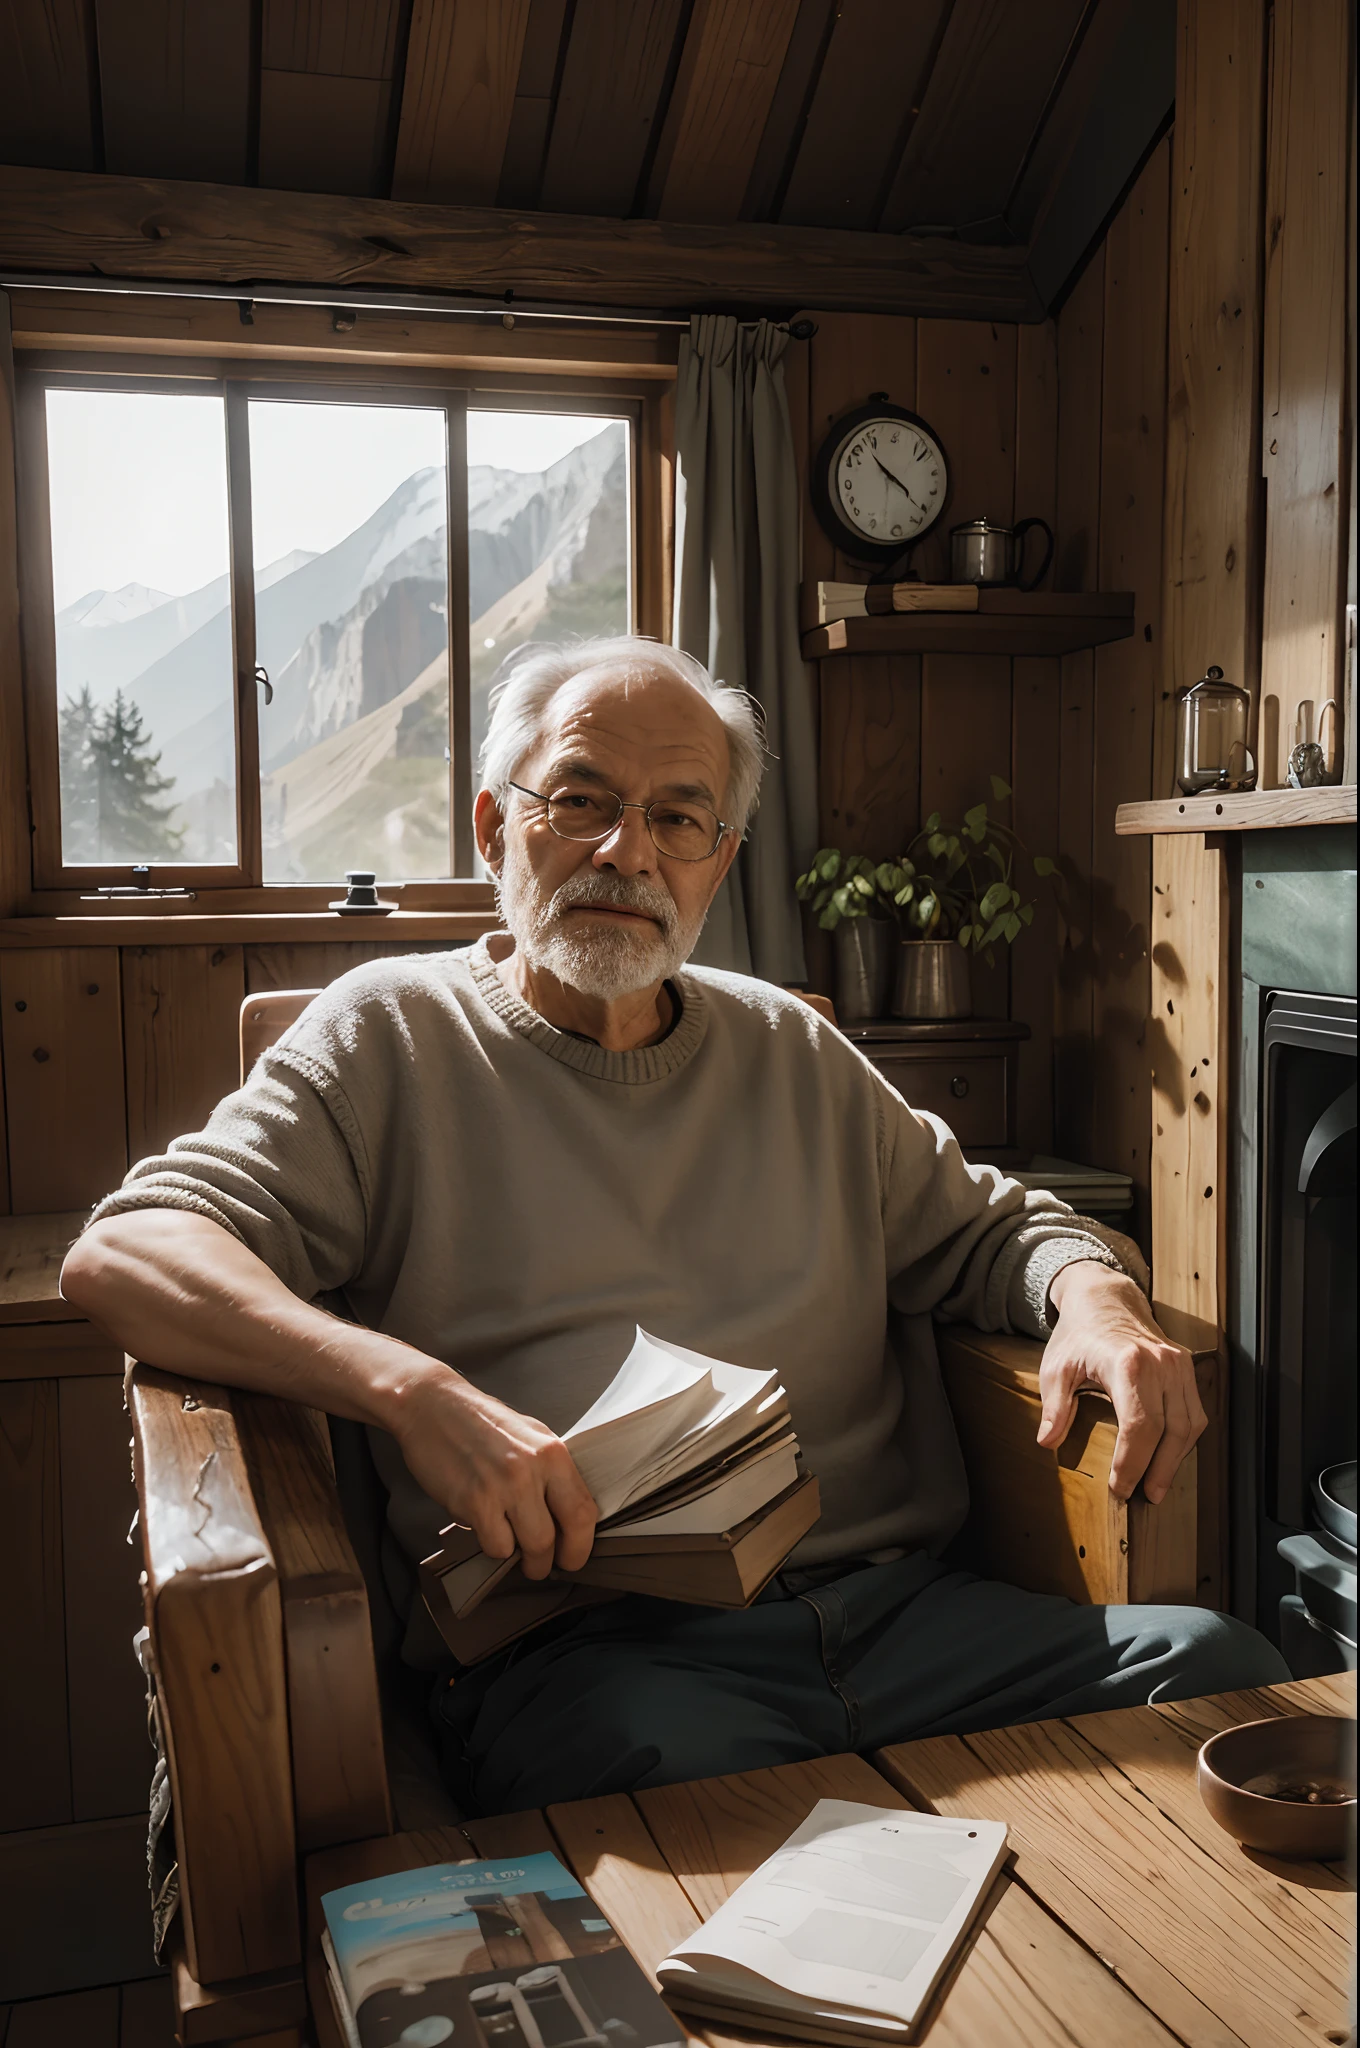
column 139, row 480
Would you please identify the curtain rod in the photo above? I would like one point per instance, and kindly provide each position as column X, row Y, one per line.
column 345, row 298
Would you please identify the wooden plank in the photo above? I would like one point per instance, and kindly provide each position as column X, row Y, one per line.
column 461, row 67
column 861, row 108
column 812, row 31
column 339, row 38
column 965, row 739
column 32, row 1249
column 16, row 861
column 48, row 1351
column 965, row 388
column 89, row 1876
column 206, row 2014
column 411, row 931
column 1021, row 1979
column 155, row 229
column 870, row 754
column 181, row 1006
column 111, row 1758
column 174, row 88
column 1036, row 430
column 323, row 134
column 850, row 356
column 33, row 1715
column 613, row 82
column 981, row 632
column 78, row 2019
column 1036, row 728
column 334, row 1716
column 1304, row 371
column 1257, row 810
column 986, row 91
column 316, row 966
column 1213, row 482
column 1081, row 343
column 1223, row 1950
column 146, row 2015
column 526, row 139
column 63, row 1047
column 212, row 1603
column 1129, row 555
column 728, row 72
column 1189, row 1038
column 47, row 85
column 607, row 1844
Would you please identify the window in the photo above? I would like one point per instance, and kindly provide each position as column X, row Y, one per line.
column 264, row 618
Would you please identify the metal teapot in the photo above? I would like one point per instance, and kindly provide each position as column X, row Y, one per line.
column 1211, row 736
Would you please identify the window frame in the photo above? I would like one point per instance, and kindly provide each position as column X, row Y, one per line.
column 241, row 888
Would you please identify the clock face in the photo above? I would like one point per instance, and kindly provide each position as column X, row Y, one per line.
column 889, row 481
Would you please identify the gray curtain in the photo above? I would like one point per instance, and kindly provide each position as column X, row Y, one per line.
column 736, row 610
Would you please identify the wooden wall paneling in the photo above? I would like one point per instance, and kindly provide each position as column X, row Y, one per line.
column 1213, row 481
column 526, row 135
column 861, row 108
column 111, row 1758
column 613, row 81
column 1081, row 332
column 146, row 2014
column 1304, row 368
column 965, row 739
column 850, row 356
column 462, row 64
column 76, row 2019
column 35, row 1785
column 729, row 69
column 74, row 1899
column 47, row 85
column 316, row 966
column 966, row 389
column 1190, row 1082
column 870, row 752
column 987, row 89
column 181, row 1009
column 1129, row 557
column 1036, row 729
column 1036, row 434
column 16, row 874
column 61, row 1024
column 326, row 94
column 59, row 1350
column 175, row 88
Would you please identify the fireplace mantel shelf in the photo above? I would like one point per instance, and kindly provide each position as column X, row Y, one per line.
column 1253, row 810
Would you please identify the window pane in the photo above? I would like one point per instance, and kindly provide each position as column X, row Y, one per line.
column 349, row 517
column 145, row 689
column 549, row 537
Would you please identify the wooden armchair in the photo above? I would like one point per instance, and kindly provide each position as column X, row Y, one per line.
column 263, row 1650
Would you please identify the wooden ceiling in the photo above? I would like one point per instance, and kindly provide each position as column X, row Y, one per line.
column 995, row 123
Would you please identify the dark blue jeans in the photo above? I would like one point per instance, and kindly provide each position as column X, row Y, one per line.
column 650, row 1692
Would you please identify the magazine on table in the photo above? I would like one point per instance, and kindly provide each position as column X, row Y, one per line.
column 505, row 1954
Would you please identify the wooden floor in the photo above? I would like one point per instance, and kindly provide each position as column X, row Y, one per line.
column 118, row 2016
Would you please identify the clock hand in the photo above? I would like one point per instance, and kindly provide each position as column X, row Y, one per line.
column 892, row 473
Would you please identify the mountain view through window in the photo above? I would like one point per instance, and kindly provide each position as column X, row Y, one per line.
column 349, row 515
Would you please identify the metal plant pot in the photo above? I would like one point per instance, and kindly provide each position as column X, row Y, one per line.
column 863, row 967
column 933, row 980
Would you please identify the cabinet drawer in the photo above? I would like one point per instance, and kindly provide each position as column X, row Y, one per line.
column 968, row 1092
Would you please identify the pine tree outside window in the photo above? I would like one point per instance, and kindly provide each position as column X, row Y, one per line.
column 263, row 617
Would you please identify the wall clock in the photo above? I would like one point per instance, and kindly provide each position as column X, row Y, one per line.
column 879, row 481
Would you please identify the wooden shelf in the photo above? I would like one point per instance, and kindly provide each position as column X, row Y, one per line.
column 1250, row 810
column 1005, row 622
column 32, row 1249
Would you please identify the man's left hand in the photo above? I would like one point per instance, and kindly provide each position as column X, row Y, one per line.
column 1106, row 1337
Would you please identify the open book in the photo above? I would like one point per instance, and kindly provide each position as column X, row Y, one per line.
column 843, row 1934
column 695, row 1469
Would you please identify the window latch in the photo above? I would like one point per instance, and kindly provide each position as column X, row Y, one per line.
column 262, row 678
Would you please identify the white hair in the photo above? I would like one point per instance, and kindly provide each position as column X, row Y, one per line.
column 534, row 673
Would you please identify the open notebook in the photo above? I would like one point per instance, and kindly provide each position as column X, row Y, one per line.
column 695, row 1468
column 842, row 1934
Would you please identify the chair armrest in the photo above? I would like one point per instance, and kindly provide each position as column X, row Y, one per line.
column 214, row 1614
column 339, row 1775
column 1046, row 1520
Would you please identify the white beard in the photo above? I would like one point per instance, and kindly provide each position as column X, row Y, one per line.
column 604, row 963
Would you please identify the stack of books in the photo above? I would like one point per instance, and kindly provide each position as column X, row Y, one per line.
column 875, row 600
column 699, row 1481
column 1090, row 1190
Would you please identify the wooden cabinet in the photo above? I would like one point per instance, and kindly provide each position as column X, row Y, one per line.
column 966, row 1072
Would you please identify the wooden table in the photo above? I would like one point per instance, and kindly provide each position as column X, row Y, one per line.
column 1124, row 1918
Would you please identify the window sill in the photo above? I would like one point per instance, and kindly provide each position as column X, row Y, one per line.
column 119, row 927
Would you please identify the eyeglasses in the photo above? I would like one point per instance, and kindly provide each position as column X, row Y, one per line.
column 682, row 831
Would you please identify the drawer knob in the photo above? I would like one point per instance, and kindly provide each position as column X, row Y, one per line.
column 958, row 1086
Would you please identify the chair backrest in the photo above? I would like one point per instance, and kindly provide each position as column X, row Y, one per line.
column 265, row 1018
column 823, row 1005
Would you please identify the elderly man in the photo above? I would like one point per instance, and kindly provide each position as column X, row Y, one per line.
column 502, row 1159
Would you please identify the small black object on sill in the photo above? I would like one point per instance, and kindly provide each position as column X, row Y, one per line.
column 361, row 896
column 140, row 885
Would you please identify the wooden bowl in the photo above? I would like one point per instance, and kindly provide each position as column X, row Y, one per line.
column 1256, row 1781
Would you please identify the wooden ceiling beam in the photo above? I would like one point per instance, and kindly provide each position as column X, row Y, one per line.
column 734, row 53
column 462, row 66
column 69, row 223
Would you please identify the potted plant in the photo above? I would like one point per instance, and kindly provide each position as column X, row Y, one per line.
column 955, row 895
column 849, row 899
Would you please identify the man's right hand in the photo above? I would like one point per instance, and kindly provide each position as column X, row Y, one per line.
column 503, row 1474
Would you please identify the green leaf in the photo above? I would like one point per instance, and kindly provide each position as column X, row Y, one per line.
column 905, row 894
column 993, row 901
column 965, row 935
column 975, row 822
column 993, row 931
column 995, row 856
column 933, row 822
column 1043, row 865
column 1000, row 790
column 936, row 844
column 829, row 918
column 957, row 859
column 1027, row 912
column 862, row 885
column 1012, row 927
